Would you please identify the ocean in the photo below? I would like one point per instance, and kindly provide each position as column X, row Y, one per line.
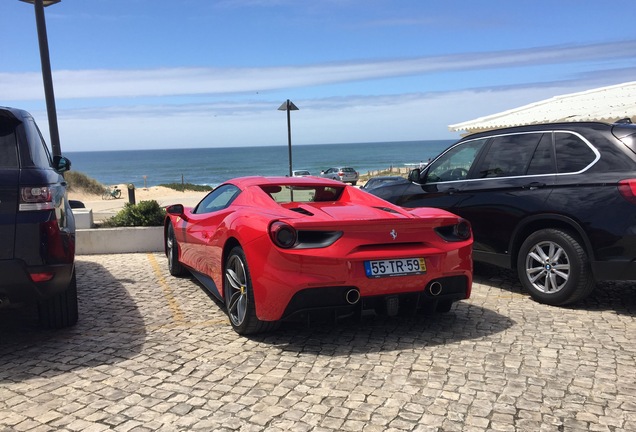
column 213, row 166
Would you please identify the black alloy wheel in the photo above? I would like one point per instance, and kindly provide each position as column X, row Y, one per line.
column 172, row 251
column 239, row 297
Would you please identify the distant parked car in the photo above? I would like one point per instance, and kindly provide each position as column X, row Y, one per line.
column 37, row 228
column 343, row 174
column 291, row 247
column 374, row 182
column 300, row 173
column 555, row 201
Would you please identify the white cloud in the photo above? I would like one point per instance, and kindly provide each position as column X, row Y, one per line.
column 406, row 117
column 96, row 84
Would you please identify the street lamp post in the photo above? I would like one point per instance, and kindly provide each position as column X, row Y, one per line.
column 288, row 106
column 46, row 72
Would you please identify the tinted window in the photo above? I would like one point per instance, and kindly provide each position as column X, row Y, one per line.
column 627, row 135
column 8, row 147
column 40, row 155
column 509, row 155
column 543, row 159
column 572, row 153
column 455, row 163
column 218, row 199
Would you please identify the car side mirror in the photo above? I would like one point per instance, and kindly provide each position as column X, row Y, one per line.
column 61, row 164
column 414, row 176
column 175, row 209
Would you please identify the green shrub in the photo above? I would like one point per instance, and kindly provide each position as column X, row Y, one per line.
column 145, row 213
column 80, row 182
column 187, row 187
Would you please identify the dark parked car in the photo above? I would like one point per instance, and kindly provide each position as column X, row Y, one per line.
column 375, row 182
column 37, row 227
column 555, row 201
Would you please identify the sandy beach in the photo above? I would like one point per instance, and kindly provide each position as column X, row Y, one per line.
column 103, row 209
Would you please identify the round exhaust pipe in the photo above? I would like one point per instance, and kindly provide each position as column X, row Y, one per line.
column 435, row 288
column 352, row 296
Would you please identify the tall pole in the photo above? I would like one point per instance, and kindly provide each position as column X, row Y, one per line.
column 289, row 138
column 46, row 77
column 288, row 106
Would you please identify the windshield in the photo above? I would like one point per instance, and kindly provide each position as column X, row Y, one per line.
column 304, row 194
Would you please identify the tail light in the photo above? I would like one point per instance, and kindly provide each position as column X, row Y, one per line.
column 627, row 189
column 283, row 235
column 35, row 198
column 459, row 232
column 57, row 247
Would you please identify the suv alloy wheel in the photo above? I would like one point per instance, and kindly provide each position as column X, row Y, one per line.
column 554, row 268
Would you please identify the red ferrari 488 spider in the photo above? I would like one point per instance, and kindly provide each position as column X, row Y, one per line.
column 281, row 248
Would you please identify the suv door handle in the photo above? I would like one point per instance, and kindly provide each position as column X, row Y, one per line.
column 451, row 191
column 533, row 185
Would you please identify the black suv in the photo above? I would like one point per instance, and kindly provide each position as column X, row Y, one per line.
column 37, row 228
column 556, row 201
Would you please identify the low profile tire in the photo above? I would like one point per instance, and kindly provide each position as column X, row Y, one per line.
column 239, row 297
column 60, row 310
column 172, row 251
column 554, row 268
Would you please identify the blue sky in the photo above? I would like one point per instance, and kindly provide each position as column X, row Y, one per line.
column 141, row 74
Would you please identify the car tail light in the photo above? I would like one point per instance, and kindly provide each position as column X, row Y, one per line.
column 458, row 232
column 283, row 235
column 627, row 188
column 34, row 198
column 57, row 247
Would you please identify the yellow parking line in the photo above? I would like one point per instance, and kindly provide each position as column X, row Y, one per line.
column 177, row 314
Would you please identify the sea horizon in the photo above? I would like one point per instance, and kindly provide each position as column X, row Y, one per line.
column 214, row 165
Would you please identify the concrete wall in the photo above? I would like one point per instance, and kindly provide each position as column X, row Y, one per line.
column 119, row 240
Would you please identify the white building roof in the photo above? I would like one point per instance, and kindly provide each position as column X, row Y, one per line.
column 606, row 104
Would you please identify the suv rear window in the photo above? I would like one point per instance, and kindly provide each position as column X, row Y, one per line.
column 40, row 156
column 573, row 154
column 8, row 144
column 627, row 135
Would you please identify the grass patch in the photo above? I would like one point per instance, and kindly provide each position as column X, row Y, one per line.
column 182, row 187
column 81, row 183
column 365, row 177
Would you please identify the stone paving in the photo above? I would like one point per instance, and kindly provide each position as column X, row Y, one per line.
column 156, row 353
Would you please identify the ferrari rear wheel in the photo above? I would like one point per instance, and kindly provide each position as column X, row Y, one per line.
column 172, row 250
column 239, row 297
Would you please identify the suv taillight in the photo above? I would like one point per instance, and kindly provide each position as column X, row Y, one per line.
column 34, row 198
column 627, row 188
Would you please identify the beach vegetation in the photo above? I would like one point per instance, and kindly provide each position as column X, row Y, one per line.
column 81, row 183
column 380, row 173
column 182, row 187
column 144, row 213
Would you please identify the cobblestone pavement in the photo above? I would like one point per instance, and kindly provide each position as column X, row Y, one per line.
column 156, row 353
